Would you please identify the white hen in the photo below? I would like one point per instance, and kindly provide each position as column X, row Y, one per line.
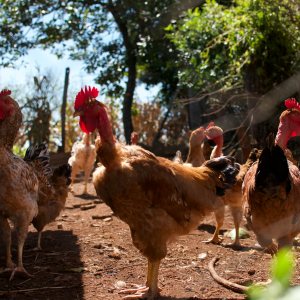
column 82, row 158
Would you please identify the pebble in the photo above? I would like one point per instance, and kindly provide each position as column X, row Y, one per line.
column 120, row 284
column 86, row 207
column 59, row 226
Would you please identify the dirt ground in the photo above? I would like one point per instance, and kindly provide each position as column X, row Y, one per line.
column 98, row 245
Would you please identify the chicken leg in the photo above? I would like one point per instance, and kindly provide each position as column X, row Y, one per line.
column 151, row 290
column 219, row 214
column 19, row 270
column 237, row 213
column 5, row 230
column 87, row 174
column 38, row 247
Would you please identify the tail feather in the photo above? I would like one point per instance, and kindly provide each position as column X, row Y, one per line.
column 272, row 165
column 39, row 152
column 225, row 165
column 64, row 170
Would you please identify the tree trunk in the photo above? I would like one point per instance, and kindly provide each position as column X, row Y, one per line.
column 195, row 110
column 63, row 112
column 128, row 98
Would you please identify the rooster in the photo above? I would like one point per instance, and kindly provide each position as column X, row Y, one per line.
column 53, row 191
column 159, row 199
column 82, row 159
column 233, row 196
column 19, row 184
column 271, row 187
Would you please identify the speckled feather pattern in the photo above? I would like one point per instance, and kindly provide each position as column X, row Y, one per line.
column 9, row 127
column 19, row 189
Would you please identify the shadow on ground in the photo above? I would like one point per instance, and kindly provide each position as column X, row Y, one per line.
column 52, row 268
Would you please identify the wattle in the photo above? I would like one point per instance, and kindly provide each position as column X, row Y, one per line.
column 2, row 114
column 88, row 123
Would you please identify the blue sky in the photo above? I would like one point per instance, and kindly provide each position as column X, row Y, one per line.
column 78, row 76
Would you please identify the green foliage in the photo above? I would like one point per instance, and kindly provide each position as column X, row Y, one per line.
column 19, row 151
column 102, row 33
column 217, row 44
column 279, row 289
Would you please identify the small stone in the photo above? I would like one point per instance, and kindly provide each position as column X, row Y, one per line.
column 116, row 254
column 202, row 255
column 243, row 234
column 100, row 217
column 59, row 226
column 251, row 272
column 95, row 225
column 107, row 219
column 98, row 201
column 120, row 284
column 86, row 207
column 69, row 207
column 98, row 246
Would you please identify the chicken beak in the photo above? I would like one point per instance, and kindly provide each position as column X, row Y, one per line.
column 78, row 113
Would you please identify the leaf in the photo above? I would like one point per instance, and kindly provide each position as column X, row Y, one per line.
column 74, row 270
column 243, row 234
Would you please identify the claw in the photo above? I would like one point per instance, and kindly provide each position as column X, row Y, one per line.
column 36, row 249
column 273, row 249
column 140, row 292
column 17, row 272
column 214, row 240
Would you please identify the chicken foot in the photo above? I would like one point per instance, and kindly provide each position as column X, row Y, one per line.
column 151, row 290
column 219, row 214
column 5, row 229
column 38, row 247
column 17, row 271
column 85, row 192
column 273, row 249
column 71, row 186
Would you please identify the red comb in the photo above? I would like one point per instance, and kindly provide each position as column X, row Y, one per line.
column 210, row 125
column 83, row 96
column 5, row 93
column 292, row 103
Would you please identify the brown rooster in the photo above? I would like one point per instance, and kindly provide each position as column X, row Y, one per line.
column 53, row 191
column 233, row 196
column 271, row 187
column 159, row 199
column 19, row 183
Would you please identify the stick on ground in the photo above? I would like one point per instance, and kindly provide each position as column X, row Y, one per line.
column 228, row 284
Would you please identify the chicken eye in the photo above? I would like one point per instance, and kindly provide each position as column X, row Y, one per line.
column 91, row 105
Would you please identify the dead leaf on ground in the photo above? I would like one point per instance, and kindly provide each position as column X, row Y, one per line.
column 75, row 270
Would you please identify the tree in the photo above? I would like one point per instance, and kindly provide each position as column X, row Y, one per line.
column 249, row 46
column 39, row 100
column 87, row 23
